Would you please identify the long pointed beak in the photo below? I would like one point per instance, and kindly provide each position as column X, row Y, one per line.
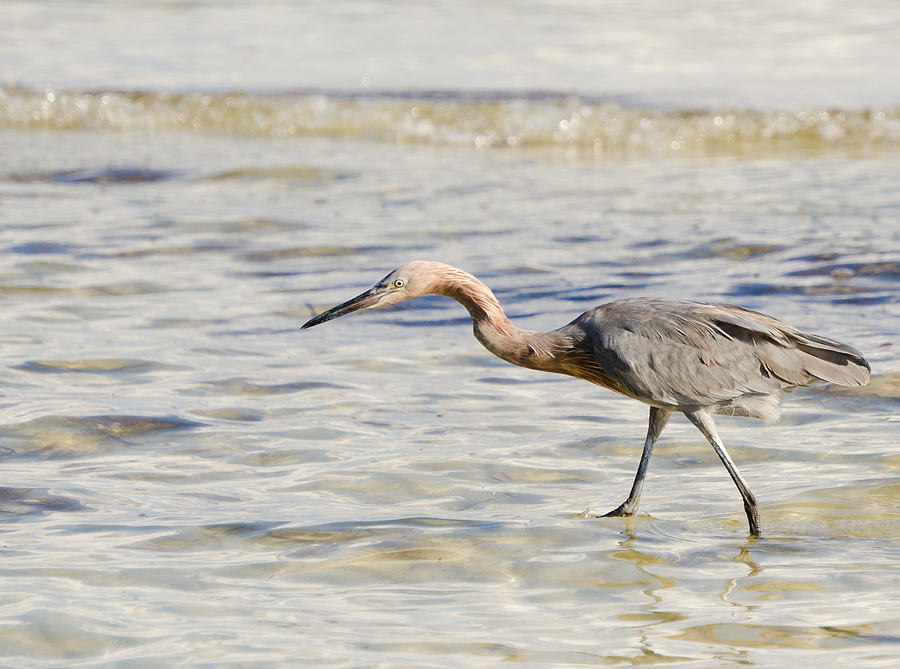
column 370, row 298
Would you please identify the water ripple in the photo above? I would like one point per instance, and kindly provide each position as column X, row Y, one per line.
column 95, row 366
column 72, row 436
column 32, row 501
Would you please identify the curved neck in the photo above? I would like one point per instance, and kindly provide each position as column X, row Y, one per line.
column 566, row 350
column 491, row 325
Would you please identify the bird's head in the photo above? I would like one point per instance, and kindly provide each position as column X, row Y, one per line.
column 411, row 280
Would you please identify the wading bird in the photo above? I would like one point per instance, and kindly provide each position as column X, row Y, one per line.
column 696, row 358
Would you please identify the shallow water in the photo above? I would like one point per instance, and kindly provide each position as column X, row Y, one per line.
column 191, row 480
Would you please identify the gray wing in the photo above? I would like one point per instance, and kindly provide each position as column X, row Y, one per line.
column 696, row 354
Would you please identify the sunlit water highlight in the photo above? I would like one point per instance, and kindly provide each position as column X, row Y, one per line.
column 191, row 480
column 581, row 126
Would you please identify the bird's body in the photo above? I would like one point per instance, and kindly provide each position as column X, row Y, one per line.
column 677, row 356
column 680, row 355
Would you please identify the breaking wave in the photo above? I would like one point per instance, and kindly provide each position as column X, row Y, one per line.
column 592, row 126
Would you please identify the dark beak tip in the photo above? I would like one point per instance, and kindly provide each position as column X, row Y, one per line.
column 363, row 301
column 315, row 320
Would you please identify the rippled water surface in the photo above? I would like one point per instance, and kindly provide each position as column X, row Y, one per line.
column 189, row 479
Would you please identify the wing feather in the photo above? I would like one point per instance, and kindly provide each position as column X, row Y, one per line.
column 690, row 354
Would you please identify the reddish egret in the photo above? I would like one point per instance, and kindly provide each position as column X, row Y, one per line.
column 696, row 358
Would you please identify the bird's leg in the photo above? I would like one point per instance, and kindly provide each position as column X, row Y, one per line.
column 704, row 422
column 658, row 418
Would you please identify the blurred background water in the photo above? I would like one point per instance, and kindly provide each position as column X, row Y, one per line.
column 190, row 480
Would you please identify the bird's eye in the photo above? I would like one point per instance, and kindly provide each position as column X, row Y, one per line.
column 398, row 283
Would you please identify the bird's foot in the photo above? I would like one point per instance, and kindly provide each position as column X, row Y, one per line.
column 753, row 521
column 624, row 509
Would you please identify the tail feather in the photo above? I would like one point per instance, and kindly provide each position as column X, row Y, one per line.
column 845, row 367
column 809, row 358
column 796, row 357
